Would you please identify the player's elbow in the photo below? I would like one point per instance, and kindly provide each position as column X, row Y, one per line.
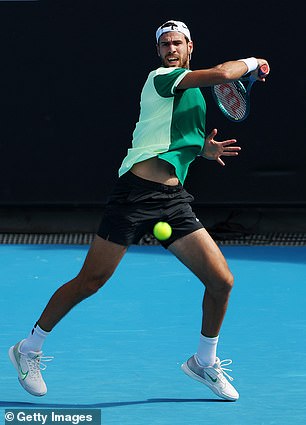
column 225, row 74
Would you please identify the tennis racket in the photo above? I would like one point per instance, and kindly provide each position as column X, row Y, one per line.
column 233, row 99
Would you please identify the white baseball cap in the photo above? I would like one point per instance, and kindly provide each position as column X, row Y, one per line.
column 173, row 25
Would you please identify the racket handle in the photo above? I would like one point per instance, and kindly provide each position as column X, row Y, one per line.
column 263, row 70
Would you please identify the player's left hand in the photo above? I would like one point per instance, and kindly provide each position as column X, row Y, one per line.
column 213, row 150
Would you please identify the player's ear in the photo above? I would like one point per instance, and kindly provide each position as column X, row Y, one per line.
column 190, row 49
column 157, row 48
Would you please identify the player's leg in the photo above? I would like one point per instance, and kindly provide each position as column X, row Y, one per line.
column 101, row 261
column 203, row 257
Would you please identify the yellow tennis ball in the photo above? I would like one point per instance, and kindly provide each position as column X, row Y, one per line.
column 162, row 231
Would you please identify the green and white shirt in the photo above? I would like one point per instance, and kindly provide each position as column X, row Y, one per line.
column 171, row 124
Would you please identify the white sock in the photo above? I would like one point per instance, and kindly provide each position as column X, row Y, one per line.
column 207, row 350
column 35, row 340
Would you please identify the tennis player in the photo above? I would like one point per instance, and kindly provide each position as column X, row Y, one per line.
column 169, row 135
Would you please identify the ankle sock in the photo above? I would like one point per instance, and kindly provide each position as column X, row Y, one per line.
column 207, row 349
column 35, row 340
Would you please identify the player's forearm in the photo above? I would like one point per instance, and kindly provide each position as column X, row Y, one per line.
column 223, row 73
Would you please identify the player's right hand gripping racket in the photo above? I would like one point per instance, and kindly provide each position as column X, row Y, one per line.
column 233, row 98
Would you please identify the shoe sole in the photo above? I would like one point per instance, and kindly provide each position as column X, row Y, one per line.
column 185, row 368
column 15, row 364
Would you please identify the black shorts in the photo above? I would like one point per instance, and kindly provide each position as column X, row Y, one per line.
column 136, row 205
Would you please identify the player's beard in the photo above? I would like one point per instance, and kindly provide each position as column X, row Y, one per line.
column 183, row 62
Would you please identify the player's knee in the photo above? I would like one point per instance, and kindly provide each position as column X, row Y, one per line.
column 228, row 282
column 92, row 286
column 221, row 289
column 89, row 285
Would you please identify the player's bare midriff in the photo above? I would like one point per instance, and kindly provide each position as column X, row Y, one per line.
column 156, row 170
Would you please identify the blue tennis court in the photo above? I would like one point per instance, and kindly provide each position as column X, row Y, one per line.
column 121, row 350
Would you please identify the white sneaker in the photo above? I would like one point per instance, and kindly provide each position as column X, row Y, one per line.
column 29, row 366
column 212, row 376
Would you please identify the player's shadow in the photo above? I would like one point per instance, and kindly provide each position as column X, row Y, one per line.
column 17, row 404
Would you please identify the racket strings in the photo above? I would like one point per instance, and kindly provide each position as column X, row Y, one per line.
column 231, row 99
